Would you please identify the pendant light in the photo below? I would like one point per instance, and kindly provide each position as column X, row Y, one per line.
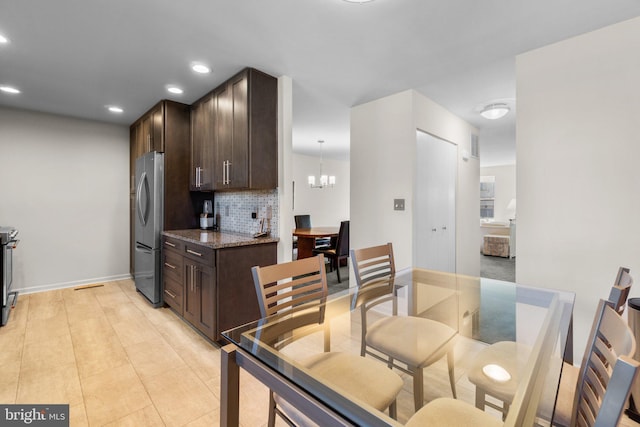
column 325, row 180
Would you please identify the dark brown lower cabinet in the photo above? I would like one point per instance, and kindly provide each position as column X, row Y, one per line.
column 199, row 304
column 215, row 289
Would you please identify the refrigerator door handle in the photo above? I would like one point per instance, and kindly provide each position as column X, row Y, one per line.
column 142, row 248
column 143, row 214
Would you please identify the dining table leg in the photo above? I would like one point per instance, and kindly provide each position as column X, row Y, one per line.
column 229, row 387
column 306, row 245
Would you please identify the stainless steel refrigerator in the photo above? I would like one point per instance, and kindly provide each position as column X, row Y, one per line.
column 149, row 204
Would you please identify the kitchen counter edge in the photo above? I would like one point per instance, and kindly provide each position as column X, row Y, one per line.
column 218, row 239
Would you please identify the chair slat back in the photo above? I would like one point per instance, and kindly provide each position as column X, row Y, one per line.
column 373, row 264
column 620, row 290
column 342, row 244
column 610, row 341
column 289, row 285
column 302, row 221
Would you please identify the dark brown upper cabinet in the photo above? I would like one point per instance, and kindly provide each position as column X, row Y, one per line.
column 203, row 119
column 241, row 129
column 152, row 129
column 247, row 142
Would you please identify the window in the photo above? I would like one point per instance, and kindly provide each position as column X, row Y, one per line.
column 487, row 196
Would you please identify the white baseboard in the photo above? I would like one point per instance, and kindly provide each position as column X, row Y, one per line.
column 64, row 285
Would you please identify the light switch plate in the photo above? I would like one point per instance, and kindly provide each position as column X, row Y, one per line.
column 398, row 204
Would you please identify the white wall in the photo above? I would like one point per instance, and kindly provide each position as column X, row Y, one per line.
column 577, row 155
column 64, row 183
column 383, row 146
column 505, row 190
column 327, row 206
column 285, row 174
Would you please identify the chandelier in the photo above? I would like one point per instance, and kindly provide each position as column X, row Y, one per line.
column 325, row 180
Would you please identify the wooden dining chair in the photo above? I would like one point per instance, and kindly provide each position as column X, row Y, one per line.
column 339, row 251
column 604, row 377
column 600, row 394
column 296, row 292
column 457, row 413
column 513, row 356
column 620, row 290
column 406, row 343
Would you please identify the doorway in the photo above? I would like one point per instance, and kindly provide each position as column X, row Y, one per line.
column 435, row 203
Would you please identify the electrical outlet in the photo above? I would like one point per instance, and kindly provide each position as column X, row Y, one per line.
column 398, row 204
column 254, row 215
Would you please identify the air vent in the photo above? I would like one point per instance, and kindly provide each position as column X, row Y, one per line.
column 475, row 146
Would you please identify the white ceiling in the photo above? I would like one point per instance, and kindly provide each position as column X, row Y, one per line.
column 73, row 57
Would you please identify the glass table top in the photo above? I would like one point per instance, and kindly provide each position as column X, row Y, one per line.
column 481, row 311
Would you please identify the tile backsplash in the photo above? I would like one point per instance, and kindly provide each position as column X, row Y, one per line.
column 233, row 210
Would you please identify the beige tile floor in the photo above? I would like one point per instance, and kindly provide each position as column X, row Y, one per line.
column 118, row 362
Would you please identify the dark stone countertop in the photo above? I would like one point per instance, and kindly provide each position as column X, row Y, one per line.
column 218, row 239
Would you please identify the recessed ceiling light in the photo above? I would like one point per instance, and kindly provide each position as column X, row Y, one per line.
column 174, row 89
column 9, row 89
column 3, row 39
column 200, row 68
column 358, row 1
column 114, row 109
column 494, row 111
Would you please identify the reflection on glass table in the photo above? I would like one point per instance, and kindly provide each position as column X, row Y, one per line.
column 480, row 311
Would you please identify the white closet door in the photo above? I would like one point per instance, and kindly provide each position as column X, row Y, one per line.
column 435, row 204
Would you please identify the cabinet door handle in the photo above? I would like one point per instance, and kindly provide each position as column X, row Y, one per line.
column 170, row 244
column 171, row 294
column 226, row 172
column 173, row 267
column 193, row 252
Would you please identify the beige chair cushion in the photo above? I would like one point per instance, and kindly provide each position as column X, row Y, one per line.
column 413, row 340
column 513, row 357
column 365, row 379
column 452, row 413
column 507, row 354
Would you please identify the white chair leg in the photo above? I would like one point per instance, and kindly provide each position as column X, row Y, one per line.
column 418, row 388
column 393, row 410
column 452, row 377
column 481, row 398
column 271, row 421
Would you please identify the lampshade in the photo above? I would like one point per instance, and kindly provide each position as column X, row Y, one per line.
column 511, row 209
column 494, row 111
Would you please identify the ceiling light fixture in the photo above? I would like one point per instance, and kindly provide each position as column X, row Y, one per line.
column 174, row 89
column 494, row 111
column 358, row 1
column 114, row 109
column 200, row 68
column 3, row 39
column 325, row 181
column 9, row 89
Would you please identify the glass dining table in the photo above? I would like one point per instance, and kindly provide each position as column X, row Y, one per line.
column 482, row 311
